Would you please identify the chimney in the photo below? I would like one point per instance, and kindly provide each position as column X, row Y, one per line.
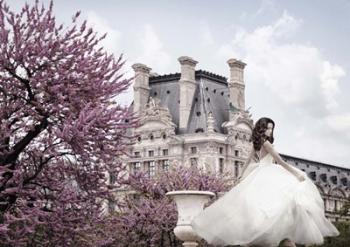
column 141, row 86
column 236, row 84
column 187, row 85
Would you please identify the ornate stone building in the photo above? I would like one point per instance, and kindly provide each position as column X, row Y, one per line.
column 333, row 183
column 197, row 118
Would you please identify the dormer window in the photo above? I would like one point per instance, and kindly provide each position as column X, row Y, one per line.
column 334, row 179
column 199, row 130
column 312, row 175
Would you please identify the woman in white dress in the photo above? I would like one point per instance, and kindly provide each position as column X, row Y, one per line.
column 270, row 203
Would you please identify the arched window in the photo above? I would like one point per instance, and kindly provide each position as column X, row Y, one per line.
column 199, row 130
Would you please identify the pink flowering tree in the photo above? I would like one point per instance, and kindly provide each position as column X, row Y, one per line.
column 147, row 217
column 60, row 127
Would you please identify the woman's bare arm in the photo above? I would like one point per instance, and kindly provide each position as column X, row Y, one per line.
column 268, row 146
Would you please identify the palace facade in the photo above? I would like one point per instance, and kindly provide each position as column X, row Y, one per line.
column 198, row 118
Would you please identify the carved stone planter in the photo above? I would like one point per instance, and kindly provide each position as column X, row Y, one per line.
column 189, row 204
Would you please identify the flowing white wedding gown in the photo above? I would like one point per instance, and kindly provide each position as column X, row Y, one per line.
column 267, row 206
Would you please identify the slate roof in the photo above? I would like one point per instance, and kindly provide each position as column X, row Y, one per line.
column 211, row 94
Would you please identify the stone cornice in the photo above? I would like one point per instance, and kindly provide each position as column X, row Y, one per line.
column 198, row 74
column 139, row 67
column 316, row 162
column 236, row 63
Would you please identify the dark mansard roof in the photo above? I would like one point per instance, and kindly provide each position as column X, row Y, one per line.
column 211, row 94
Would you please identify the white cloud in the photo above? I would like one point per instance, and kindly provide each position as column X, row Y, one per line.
column 295, row 85
column 265, row 6
column 206, row 37
column 300, row 132
column 329, row 78
column 149, row 51
column 112, row 41
column 339, row 123
column 152, row 51
column 296, row 74
column 112, row 44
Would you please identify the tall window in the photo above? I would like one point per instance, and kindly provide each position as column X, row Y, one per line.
column 336, row 205
column 221, row 165
column 236, row 168
column 193, row 162
column 151, row 168
column 193, row 150
column 111, row 206
column 165, row 165
column 331, row 205
column 221, row 150
column 165, row 152
column 136, row 167
column 236, row 153
column 112, row 178
column 137, row 154
column 150, row 153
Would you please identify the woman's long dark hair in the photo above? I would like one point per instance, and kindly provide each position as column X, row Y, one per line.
column 258, row 135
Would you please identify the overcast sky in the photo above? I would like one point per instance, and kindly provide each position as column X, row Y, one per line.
column 297, row 54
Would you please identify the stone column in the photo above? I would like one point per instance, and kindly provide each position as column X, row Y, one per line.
column 141, row 86
column 187, row 87
column 236, row 85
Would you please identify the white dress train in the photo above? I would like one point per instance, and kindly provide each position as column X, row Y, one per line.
column 267, row 206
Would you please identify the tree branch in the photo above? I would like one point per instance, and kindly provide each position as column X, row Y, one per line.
column 21, row 145
column 24, row 81
column 41, row 166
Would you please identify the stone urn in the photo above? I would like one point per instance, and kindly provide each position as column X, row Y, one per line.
column 189, row 204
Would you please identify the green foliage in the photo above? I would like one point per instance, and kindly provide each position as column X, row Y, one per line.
column 343, row 240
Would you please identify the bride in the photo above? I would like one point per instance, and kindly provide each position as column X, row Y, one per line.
column 269, row 204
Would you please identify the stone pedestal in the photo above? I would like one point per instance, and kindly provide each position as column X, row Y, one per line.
column 189, row 204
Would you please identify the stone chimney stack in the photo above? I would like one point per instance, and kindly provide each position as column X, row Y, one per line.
column 141, row 86
column 236, row 84
column 187, row 88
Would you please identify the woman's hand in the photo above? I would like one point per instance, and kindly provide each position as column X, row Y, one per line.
column 300, row 177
